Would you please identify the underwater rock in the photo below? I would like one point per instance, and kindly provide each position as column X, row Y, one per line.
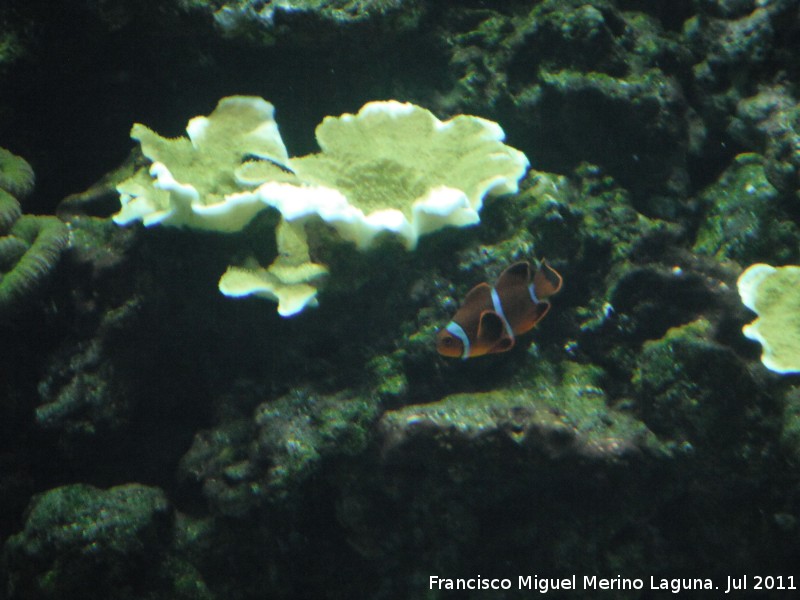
column 245, row 464
column 584, row 82
column 81, row 391
column 732, row 41
column 736, row 46
column 769, row 122
column 80, row 395
column 303, row 21
column 545, row 420
column 634, row 127
column 637, row 297
column 648, row 297
column 744, row 220
column 83, row 542
column 790, row 432
column 476, row 470
column 695, row 391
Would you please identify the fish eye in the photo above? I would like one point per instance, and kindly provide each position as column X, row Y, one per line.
column 448, row 341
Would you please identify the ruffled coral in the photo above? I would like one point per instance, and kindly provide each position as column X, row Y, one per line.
column 30, row 246
column 396, row 167
column 291, row 280
column 28, row 255
column 191, row 181
column 10, row 211
column 16, row 175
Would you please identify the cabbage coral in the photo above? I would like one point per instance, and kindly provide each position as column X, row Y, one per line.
column 191, row 181
column 392, row 167
column 290, row 280
column 774, row 294
column 396, row 167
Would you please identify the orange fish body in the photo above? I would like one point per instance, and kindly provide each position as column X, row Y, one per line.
column 491, row 317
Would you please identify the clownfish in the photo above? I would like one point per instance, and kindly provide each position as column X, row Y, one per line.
column 490, row 317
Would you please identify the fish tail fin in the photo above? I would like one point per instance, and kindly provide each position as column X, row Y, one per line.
column 546, row 281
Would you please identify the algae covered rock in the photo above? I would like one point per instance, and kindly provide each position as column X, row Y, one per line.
column 745, row 220
column 81, row 395
column 309, row 21
column 582, row 82
column 599, row 114
column 546, row 419
column 771, row 119
column 466, row 479
column 81, row 541
column 244, row 464
column 694, row 390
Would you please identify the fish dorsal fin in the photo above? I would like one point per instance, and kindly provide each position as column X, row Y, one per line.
column 492, row 332
column 518, row 274
column 480, row 295
column 546, row 281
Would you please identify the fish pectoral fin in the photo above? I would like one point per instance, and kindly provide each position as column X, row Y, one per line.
column 547, row 281
column 503, row 345
column 490, row 327
column 492, row 333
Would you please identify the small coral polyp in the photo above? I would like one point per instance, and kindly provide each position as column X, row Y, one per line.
column 391, row 167
column 774, row 294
